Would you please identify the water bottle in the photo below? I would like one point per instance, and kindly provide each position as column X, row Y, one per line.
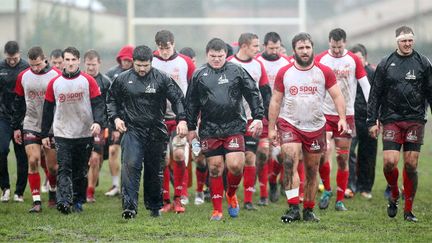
column 196, row 147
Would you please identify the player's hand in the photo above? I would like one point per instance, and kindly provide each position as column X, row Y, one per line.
column 255, row 128
column 95, row 129
column 115, row 136
column 373, row 131
column 46, row 142
column 342, row 126
column 182, row 129
column 120, row 125
column 18, row 136
column 272, row 135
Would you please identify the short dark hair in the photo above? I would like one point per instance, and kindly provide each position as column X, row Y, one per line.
column 337, row 34
column 56, row 53
column 163, row 37
column 72, row 50
column 91, row 54
column 187, row 51
column 273, row 37
column 246, row 38
column 11, row 48
column 404, row 29
column 302, row 36
column 216, row 44
column 359, row 48
column 35, row 52
column 142, row 53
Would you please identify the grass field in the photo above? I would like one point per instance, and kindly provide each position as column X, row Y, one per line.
column 101, row 221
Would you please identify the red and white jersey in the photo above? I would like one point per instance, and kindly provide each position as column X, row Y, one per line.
column 180, row 68
column 33, row 87
column 272, row 67
column 257, row 71
column 348, row 70
column 73, row 115
column 304, row 92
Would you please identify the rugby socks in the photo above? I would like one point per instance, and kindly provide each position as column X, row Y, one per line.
column 233, row 182
column 324, row 171
column 342, row 184
column 185, row 183
column 293, row 196
column 166, row 185
column 116, row 181
column 216, row 192
column 34, row 183
column 263, row 180
column 392, row 180
column 179, row 169
column 249, row 174
column 308, row 204
column 52, row 179
column 300, row 170
column 201, row 175
column 410, row 180
column 275, row 170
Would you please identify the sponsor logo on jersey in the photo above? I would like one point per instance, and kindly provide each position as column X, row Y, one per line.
column 315, row 146
column 71, row 97
column 176, row 74
column 205, row 74
column 234, row 143
column 412, row 136
column 308, row 90
column 343, row 73
column 293, row 90
column 35, row 94
column 150, row 89
column 3, row 73
column 392, row 64
column 389, row 135
column 130, row 82
column 410, row 75
column 223, row 79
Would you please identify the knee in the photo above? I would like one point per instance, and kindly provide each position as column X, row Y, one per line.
column 178, row 155
column 262, row 157
column 342, row 157
column 289, row 162
column 410, row 167
column 388, row 166
column 214, row 171
column 33, row 164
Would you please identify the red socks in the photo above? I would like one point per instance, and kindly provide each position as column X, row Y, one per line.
column 263, row 180
column 166, row 185
column 233, row 182
column 342, row 184
column 410, row 188
column 216, row 192
column 324, row 171
column 392, row 180
column 249, row 174
column 201, row 178
column 179, row 169
column 34, row 183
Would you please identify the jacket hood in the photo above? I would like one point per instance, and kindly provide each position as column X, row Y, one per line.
column 126, row 52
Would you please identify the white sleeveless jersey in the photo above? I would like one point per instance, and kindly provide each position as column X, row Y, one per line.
column 33, row 87
column 304, row 92
column 348, row 69
column 273, row 67
column 180, row 68
column 73, row 115
column 257, row 71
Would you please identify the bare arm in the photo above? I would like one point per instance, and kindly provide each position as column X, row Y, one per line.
column 339, row 102
column 274, row 109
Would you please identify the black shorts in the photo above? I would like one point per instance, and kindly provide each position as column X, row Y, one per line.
column 30, row 137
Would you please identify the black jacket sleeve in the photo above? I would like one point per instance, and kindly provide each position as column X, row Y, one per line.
column 427, row 85
column 175, row 96
column 113, row 101
column 252, row 95
column 192, row 103
column 19, row 110
column 376, row 95
column 47, row 118
column 265, row 91
column 98, row 109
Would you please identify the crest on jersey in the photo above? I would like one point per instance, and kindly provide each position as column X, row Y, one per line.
column 293, row 90
column 223, row 79
column 410, row 75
